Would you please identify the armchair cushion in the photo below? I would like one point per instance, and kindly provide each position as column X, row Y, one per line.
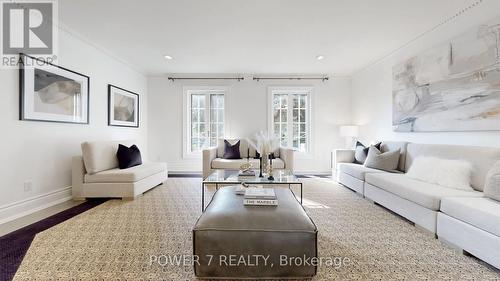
column 100, row 155
column 231, row 151
column 243, row 147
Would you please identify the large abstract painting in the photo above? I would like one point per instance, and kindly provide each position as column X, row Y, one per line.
column 52, row 93
column 453, row 87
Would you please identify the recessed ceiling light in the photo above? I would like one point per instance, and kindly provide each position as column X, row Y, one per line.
column 320, row 57
column 168, row 57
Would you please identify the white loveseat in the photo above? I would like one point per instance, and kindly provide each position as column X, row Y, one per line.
column 466, row 219
column 212, row 158
column 96, row 173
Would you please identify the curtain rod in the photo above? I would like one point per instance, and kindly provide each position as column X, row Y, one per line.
column 205, row 78
column 291, row 78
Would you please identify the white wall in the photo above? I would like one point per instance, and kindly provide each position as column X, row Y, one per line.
column 246, row 114
column 372, row 87
column 41, row 152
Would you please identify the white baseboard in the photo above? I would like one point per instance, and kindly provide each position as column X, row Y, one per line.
column 33, row 204
column 186, row 165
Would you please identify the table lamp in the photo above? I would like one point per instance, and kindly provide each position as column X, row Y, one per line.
column 349, row 132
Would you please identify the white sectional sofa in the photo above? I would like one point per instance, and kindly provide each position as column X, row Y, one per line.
column 96, row 173
column 212, row 158
column 466, row 219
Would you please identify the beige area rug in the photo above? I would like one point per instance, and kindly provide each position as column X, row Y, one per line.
column 115, row 240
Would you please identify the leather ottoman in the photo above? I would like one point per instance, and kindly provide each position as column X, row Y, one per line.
column 231, row 240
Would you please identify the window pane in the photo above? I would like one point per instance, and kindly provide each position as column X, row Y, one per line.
column 220, row 116
column 276, row 116
column 213, row 101
column 283, row 115
column 302, row 116
column 194, row 115
column 295, row 115
column 277, row 132
column 213, row 130
column 221, row 102
column 283, row 130
column 194, row 130
column 201, row 115
column 284, row 101
column 213, row 115
column 194, row 101
column 295, row 101
column 201, row 99
column 303, row 101
column 194, row 144
column 220, row 130
column 276, row 101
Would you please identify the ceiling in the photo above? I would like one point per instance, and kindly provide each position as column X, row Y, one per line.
column 258, row 36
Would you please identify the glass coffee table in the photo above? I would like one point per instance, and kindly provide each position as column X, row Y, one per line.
column 228, row 177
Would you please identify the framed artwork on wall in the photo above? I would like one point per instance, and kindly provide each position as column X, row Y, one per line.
column 52, row 93
column 452, row 87
column 123, row 107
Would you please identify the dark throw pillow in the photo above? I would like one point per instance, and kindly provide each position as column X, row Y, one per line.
column 128, row 156
column 362, row 151
column 231, row 151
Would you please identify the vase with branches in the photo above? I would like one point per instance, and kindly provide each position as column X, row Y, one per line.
column 265, row 144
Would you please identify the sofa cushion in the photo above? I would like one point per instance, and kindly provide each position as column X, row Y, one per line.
column 133, row 174
column 243, row 147
column 356, row 170
column 387, row 161
column 234, row 164
column 231, row 151
column 425, row 194
column 395, row 145
column 492, row 186
column 101, row 155
column 361, row 152
column 448, row 173
column 481, row 158
column 483, row 213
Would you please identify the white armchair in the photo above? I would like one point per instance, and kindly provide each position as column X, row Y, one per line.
column 212, row 158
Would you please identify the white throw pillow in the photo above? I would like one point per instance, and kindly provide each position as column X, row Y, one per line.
column 455, row 174
column 492, row 186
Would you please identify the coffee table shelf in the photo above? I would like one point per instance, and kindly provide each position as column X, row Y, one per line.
column 228, row 177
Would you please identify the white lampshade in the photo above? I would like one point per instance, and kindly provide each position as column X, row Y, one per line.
column 349, row 131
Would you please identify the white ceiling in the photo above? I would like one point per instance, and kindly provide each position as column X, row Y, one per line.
column 257, row 36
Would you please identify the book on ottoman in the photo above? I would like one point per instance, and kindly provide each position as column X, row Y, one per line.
column 260, row 197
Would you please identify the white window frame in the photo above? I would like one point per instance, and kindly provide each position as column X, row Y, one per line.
column 309, row 90
column 186, row 122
